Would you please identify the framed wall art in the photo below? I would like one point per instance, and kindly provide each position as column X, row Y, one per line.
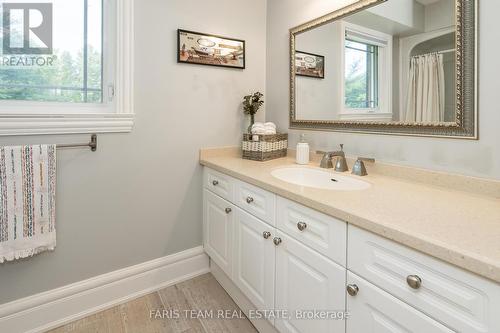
column 212, row 50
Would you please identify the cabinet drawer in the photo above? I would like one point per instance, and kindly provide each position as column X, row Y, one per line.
column 256, row 201
column 219, row 183
column 461, row 300
column 374, row 310
column 321, row 232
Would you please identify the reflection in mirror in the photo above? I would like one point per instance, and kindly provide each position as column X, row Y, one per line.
column 394, row 62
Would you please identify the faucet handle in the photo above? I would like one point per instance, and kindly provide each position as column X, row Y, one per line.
column 341, row 147
column 326, row 161
column 359, row 168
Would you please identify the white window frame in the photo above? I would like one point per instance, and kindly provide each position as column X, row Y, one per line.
column 37, row 118
column 383, row 110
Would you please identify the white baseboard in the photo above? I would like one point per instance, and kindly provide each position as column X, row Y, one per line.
column 60, row 306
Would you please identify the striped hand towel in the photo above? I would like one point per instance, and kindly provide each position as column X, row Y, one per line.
column 27, row 201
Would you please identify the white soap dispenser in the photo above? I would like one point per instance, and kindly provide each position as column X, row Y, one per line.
column 302, row 154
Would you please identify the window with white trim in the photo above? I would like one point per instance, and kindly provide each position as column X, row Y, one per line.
column 367, row 73
column 65, row 66
column 361, row 75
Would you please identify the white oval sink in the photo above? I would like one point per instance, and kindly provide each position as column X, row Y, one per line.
column 319, row 179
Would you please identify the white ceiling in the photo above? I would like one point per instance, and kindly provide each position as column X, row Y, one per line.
column 427, row 2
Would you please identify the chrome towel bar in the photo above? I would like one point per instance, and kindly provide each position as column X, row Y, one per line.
column 92, row 144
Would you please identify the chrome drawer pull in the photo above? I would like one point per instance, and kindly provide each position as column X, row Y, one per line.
column 228, row 210
column 277, row 241
column 302, row 226
column 414, row 281
column 352, row 289
column 249, row 200
column 266, row 234
column 215, row 183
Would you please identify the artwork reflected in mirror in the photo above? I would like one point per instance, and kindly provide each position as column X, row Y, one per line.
column 392, row 63
column 310, row 65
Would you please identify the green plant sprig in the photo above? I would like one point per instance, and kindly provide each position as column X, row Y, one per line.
column 252, row 103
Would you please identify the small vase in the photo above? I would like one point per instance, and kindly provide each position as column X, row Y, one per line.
column 252, row 121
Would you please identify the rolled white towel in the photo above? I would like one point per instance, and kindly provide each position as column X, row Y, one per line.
column 263, row 128
column 263, row 131
column 259, row 127
column 258, row 131
column 266, row 125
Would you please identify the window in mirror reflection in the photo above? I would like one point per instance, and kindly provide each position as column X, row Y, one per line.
column 361, row 75
column 367, row 59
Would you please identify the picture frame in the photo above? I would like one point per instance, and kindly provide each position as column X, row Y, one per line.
column 210, row 50
column 309, row 65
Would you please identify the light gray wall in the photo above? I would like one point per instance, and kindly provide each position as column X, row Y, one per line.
column 320, row 98
column 139, row 197
column 439, row 15
column 479, row 158
column 408, row 13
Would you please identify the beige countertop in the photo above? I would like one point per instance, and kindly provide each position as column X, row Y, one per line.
column 458, row 227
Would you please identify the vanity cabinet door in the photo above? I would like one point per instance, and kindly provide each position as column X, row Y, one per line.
column 218, row 216
column 254, row 259
column 373, row 310
column 307, row 282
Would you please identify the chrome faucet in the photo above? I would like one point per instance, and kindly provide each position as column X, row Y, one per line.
column 341, row 163
column 359, row 168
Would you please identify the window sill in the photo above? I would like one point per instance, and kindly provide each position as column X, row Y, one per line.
column 366, row 116
column 37, row 124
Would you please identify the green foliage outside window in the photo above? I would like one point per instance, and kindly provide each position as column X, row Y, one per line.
column 361, row 75
column 61, row 82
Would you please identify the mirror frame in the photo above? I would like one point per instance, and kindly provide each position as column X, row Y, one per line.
column 466, row 120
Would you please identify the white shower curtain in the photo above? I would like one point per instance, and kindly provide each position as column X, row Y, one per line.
column 425, row 97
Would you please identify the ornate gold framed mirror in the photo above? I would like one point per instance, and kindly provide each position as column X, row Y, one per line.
column 403, row 67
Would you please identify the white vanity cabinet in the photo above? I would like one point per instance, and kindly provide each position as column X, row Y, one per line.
column 307, row 282
column 275, row 270
column 283, row 256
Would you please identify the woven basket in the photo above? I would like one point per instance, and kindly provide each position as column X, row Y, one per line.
column 267, row 147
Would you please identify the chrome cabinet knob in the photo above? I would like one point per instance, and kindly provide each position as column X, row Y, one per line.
column 277, row 241
column 249, row 200
column 302, row 226
column 414, row 281
column 352, row 289
column 266, row 234
column 228, row 210
column 215, row 183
